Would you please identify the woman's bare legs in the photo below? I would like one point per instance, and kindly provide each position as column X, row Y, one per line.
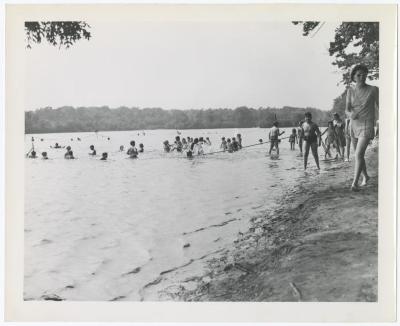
column 360, row 145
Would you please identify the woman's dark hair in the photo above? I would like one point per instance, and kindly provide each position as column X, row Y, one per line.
column 308, row 114
column 132, row 143
column 356, row 68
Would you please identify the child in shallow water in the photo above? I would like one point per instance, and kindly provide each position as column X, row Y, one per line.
column 293, row 139
column 132, row 151
column 330, row 139
column 312, row 139
column 224, row 145
column 273, row 136
column 44, row 156
column 141, row 148
column 33, row 154
column 93, row 153
column 104, row 156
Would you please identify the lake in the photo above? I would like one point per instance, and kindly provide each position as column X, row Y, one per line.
column 107, row 230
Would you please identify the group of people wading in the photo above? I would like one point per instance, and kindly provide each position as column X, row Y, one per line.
column 358, row 129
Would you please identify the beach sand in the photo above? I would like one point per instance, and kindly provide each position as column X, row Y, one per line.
column 320, row 243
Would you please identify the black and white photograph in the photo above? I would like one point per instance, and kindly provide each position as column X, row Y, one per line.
column 193, row 160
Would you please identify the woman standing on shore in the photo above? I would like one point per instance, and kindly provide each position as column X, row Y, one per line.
column 360, row 104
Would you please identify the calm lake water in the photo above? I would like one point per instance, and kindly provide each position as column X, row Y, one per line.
column 105, row 230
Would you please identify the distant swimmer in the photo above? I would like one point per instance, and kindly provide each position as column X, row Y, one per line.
column 229, row 145
column 32, row 139
column 293, row 139
column 121, row 148
column 72, row 139
column 312, row 138
column 274, row 137
column 178, row 144
column 208, row 141
column 57, row 146
column 235, row 144
column 44, row 156
column 239, row 140
column 167, row 146
column 141, row 148
column 108, row 138
column 41, row 139
column 132, row 151
column 32, row 154
column 78, row 139
column 93, row 153
column 224, row 145
column 69, row 155
column 104, row 156
column 184, row 144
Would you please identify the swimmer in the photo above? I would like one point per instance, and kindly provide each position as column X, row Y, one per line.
column 167, row 146
column 132, row 151
column 184, row 144
column 312, row 138
column 141, row 148
column 69, row 155
column 178, row 144
column 239, row 140
column 93, row 153
column 230, row 146
column 104, row 156
column 208, row 141
column 44, row 156
column 235, row 144
column 224, row 145
column 57, row 146
column 33, row 154
column 121, row 148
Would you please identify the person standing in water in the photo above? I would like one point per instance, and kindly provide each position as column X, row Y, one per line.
column 274, row 137
column 339, row 127
column 132, row 151
column 300, row 135
column 104, row 156
column 312, row 138
column 93, row 153
column 361, row 101
column 293, row 139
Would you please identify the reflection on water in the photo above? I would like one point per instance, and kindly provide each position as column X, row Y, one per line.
column 103, row 230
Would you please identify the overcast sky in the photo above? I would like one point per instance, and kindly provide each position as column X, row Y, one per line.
column 186, row 66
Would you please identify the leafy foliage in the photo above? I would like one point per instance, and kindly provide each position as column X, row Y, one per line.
column 61, row 33
column 69, row 119
column 354, row 43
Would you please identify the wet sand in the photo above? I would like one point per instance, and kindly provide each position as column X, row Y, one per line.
column 320, row 243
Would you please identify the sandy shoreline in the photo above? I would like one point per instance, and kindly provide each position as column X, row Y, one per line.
column 319, row 244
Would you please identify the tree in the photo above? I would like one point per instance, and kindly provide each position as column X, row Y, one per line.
column 355, row 42
column 61, row 33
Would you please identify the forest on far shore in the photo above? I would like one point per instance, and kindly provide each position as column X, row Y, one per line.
column 87, row 119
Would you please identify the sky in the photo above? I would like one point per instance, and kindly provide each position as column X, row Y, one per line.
column 186, row 65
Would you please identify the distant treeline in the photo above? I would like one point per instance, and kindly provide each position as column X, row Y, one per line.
column 69, row 119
